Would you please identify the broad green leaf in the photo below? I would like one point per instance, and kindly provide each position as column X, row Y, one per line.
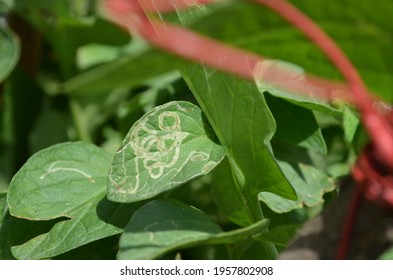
column 66, row 180
column 167, row 147
column 296, row 125
column 160, row 227
column 9, row 51
column 243, row 123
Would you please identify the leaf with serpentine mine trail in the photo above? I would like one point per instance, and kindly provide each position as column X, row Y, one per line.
column 66, row 181
column 167, row 147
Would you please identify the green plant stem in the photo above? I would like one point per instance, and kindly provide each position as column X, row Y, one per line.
column 79, row 121
column 257, row 215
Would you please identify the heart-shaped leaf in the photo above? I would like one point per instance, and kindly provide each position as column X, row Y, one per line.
column 167, row 147
column 66, row 180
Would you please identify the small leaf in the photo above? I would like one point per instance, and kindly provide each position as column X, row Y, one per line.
column 309, row 182
column 125, row 71
column 159, row 227
column 9, row 51
column 277, row 203
column 65, row 180
column 167, row 147
column 94, row 54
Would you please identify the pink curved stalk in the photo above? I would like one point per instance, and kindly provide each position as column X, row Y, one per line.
column 187, row 44
column 377, row 126
column 183, row 42
column 169, row 5
column 207, row 51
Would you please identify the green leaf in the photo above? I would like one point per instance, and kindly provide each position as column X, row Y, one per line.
column 167, row 147
column 364, row 33
column 296, row 125
column 125, row 71
column 94, row 54
column 66, row 180
column 161, row 226
column 309, row 182
column 243, row 123
column 9, row 51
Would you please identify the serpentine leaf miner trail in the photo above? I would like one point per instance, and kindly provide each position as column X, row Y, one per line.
column 54, row 168
column 167, row 147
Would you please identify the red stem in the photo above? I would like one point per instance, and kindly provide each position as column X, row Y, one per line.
column 185, row 43
column 349, row 223
column 190, row 45
column 195, row 47
column 378, row 128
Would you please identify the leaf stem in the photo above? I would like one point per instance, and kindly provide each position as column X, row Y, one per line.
column 79, row 121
